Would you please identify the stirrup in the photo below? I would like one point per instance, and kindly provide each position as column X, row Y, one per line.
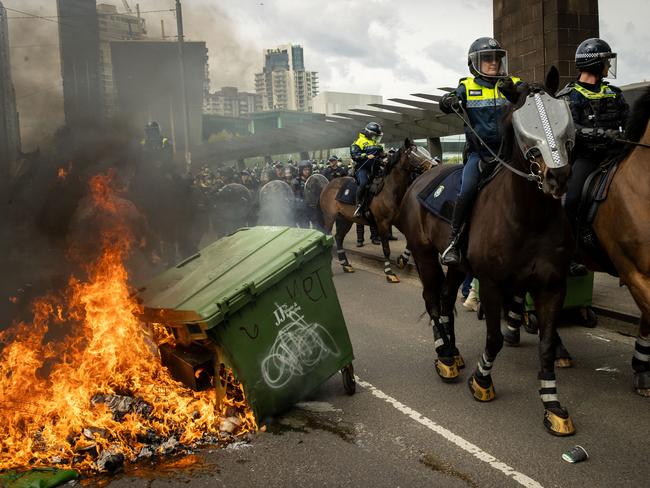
column 359, row 211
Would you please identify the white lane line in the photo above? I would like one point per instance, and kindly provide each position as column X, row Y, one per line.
column 474, row 450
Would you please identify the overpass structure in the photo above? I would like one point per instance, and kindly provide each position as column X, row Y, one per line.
column 419, row 118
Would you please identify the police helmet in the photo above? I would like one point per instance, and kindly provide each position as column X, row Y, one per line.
column 332, row 158
column 594, row 55
column 373, row 131
column 288, row 171
column 482, row 55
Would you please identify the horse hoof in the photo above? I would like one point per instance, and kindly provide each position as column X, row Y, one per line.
column 480, row 393
column 558, row 425
column 348, row 269
column 644, row 392
column 563, row 363
column 460, row 362
column 511, row 335
column 401, row 262
column 391, row 278
column 447, row 372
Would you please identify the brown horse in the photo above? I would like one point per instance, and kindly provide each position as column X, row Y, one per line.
column 622, row 226
column 518, row 238
column 384, row 207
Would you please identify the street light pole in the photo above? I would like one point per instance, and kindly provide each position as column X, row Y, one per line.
column 186, row 111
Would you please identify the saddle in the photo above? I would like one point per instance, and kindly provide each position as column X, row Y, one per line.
column 594, row 192
column 439, row 196
column 347, row 194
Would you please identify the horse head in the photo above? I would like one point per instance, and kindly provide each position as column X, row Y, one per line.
column 412, row 158
column 543, row 129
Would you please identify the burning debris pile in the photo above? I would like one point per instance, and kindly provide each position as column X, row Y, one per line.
column 82, row 385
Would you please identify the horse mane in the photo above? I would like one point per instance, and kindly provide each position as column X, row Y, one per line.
column 638, row 119
column 392, row 160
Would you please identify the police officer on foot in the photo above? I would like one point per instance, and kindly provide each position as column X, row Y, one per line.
column 482, row 97
column 366, row 151
column 334, row 169
column 600, row 114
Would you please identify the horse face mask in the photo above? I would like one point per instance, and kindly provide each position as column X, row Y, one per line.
column 544, row 126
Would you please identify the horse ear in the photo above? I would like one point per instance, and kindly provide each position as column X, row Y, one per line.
column 407, row 143
column 552, row 82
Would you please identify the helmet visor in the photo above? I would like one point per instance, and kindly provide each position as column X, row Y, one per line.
column 377, row 139
column 491, row 63
column 610, row 63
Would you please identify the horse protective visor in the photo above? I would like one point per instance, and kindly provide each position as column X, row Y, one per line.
column 544, row 126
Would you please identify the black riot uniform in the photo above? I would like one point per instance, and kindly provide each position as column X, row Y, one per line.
column 334, row 170
column 599, row 112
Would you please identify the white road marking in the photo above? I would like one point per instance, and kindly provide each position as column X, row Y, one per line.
column 598, row 337
column 467, row 446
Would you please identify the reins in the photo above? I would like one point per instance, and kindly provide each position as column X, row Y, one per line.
column 532, row 176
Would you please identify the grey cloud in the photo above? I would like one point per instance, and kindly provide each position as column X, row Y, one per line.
column 446, row 53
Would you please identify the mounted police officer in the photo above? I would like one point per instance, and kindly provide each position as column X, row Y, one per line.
column 481, row 98
column 365, row 151
column 334, row 169
column 600, row 113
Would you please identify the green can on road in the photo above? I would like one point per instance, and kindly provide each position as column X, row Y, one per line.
column 261, row 302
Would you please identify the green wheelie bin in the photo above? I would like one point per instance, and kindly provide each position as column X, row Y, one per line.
column 579, row 292
column 260, row 302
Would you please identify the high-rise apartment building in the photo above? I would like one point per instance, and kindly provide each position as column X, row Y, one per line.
column 284, row 84
column 9, row 128
column 231, row 102
column 79, row 48
column 114, row 26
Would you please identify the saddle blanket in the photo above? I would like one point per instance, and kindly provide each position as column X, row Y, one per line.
column 439, row 196
column 348, row 192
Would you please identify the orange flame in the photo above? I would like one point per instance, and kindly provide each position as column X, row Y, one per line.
column 88, row 342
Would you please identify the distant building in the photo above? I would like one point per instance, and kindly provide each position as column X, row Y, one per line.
column 284, row 84
column 330, row 102
column 79, row 49
column 9, row 127
column 147, row 80
column 230, row 102
column 114, row 26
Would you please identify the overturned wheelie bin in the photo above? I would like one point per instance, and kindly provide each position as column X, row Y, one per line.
column 261, row 303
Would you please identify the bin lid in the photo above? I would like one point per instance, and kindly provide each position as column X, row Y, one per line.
column 223, row 277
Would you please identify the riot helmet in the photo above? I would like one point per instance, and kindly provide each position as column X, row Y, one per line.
column 288, row 172
column 152, row 131
column 305, row 165
column 594, row 55
column 333, row 160
column 487, row 58
column 373, row 131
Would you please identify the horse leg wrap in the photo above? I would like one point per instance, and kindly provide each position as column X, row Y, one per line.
column 556, row 418
column 443, row 335
column 511, row 334
column 387, row 268
column 641, row 358
column 484, row 366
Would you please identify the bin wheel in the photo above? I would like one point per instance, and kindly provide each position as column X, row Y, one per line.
column 531, row 324
column 349, row 383
column 588, row 317
column 480, row 313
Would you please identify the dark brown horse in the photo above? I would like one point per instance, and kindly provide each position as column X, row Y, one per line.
column 518, row 238
column 409, row 159
column 622, row 226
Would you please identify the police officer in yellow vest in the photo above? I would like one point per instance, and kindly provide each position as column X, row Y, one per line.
column 599, row 113
column 481, row 99
column 366, row 151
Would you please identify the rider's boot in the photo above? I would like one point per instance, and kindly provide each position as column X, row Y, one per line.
column 451, row 255
column 361, row 197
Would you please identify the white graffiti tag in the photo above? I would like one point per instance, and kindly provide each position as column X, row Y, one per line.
column 298, row 347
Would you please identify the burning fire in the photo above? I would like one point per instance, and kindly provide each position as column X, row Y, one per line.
column 84, row 381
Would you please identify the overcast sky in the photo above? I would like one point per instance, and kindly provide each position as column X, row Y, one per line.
column 380, row 47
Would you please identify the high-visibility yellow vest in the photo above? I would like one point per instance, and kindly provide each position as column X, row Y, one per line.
column 478, row 96
column 605, row 92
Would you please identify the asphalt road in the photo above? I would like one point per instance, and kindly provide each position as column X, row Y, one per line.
column 405, row 428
